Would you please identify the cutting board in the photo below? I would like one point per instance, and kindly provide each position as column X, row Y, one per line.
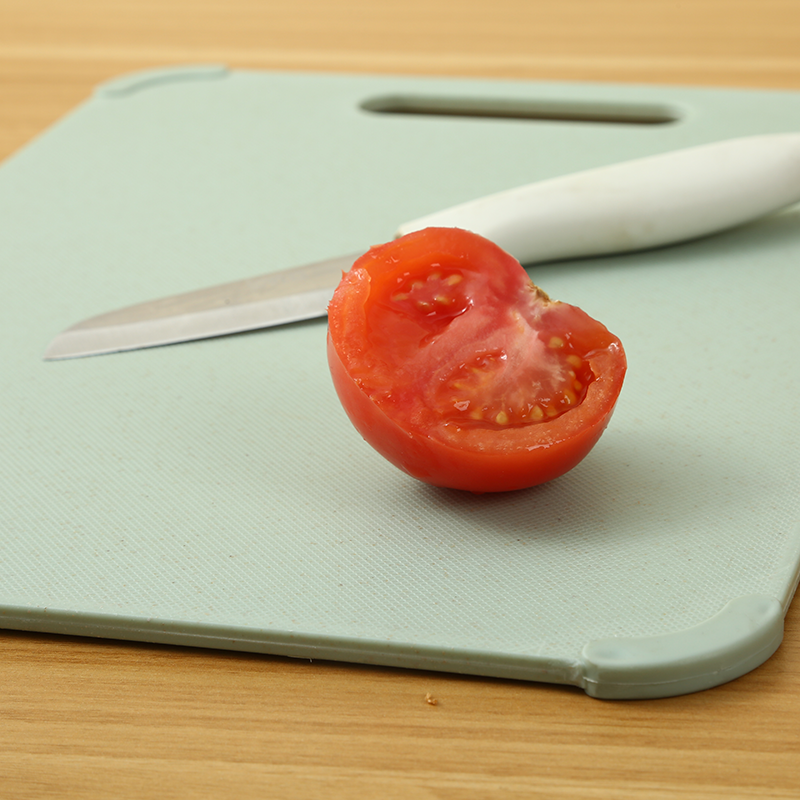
column 215, row 494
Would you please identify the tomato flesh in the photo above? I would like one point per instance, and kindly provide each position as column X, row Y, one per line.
column 451, row 363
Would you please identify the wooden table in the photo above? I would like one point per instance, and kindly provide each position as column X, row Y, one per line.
column 93, row 718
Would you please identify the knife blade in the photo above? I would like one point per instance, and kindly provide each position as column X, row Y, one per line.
column 634, row 205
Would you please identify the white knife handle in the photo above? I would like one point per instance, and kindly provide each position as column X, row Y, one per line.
column 637, row 204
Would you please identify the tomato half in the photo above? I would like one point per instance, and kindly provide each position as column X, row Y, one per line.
column 453, row 365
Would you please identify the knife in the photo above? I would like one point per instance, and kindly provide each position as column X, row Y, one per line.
column 639, row 204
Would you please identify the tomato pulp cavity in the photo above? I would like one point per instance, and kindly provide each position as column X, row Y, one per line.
column 453, row 365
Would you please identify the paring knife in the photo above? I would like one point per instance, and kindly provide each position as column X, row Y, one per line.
column 634, row 205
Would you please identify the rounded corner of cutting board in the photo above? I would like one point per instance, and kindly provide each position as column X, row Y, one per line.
column 736, row 640
column 124, row 85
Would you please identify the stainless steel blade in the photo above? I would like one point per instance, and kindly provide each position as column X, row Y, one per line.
column 289, row 295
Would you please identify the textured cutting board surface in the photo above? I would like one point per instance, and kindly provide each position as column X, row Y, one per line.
column 214, row 493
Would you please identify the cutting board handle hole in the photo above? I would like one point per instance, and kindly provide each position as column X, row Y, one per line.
column 513, row 108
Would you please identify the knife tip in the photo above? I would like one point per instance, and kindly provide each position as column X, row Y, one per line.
column 55, row 351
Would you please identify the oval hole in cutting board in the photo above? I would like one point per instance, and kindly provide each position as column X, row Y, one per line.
column 549, row 110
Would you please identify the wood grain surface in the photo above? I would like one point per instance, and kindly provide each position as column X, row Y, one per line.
column 100, row 719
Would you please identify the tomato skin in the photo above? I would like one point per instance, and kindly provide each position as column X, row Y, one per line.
column 482, row 459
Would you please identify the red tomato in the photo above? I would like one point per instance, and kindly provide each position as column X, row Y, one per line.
column 453, row 365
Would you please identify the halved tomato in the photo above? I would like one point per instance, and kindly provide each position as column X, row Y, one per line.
column 453, row 365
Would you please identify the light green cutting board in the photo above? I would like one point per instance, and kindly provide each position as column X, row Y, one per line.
column 215, row 494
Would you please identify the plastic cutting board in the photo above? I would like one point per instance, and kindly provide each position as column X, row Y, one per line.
column 215, row 494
